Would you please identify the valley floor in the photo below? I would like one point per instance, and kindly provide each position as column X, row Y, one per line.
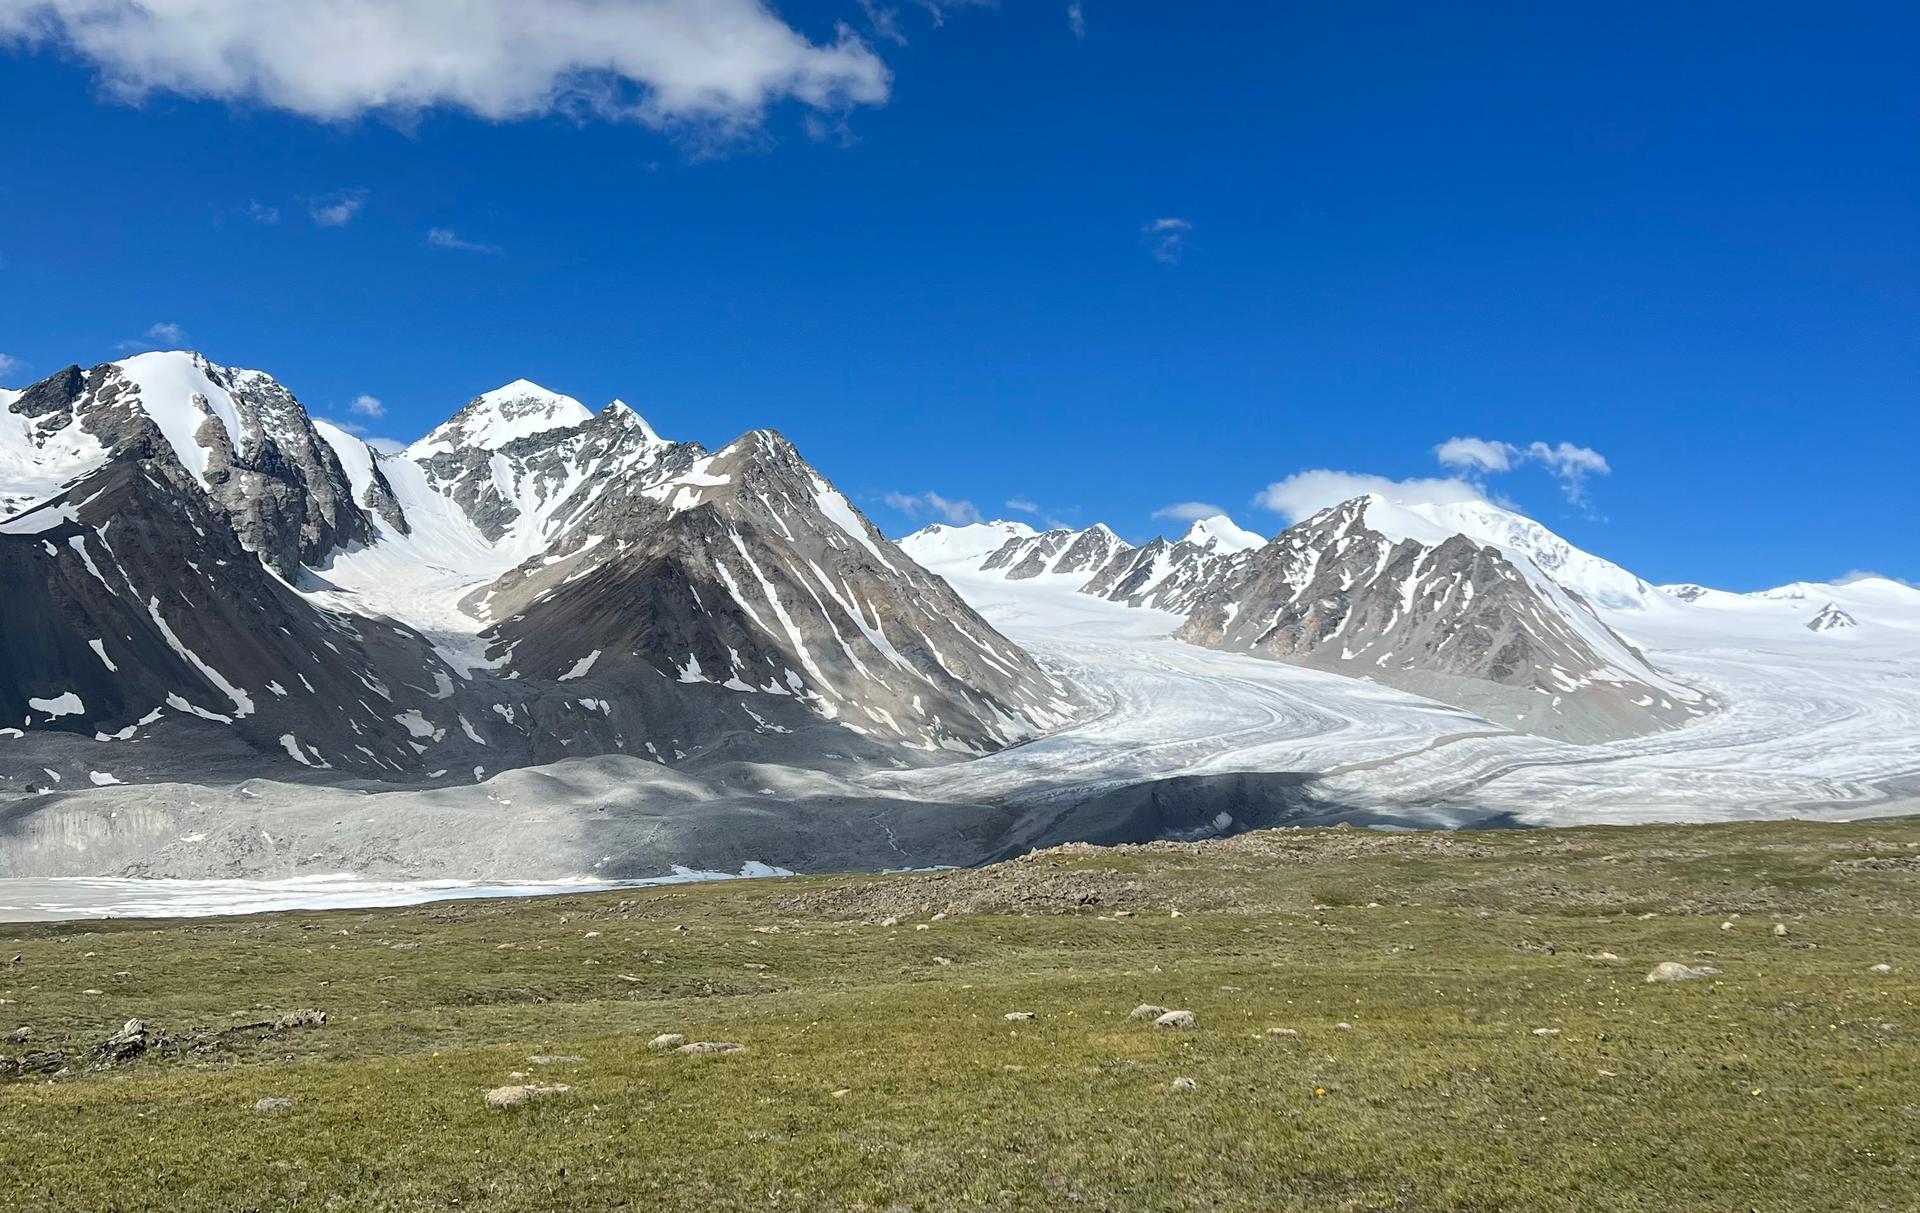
column 1383, row 1021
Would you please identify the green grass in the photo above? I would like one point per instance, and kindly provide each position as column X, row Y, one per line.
column 1790, row 1081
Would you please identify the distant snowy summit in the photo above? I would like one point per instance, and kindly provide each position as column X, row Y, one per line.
column 1220, row 534
column 1469, row 604
column 186, row 554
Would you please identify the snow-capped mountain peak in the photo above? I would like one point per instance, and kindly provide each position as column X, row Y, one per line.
column 498, row 418
column 621, row 410
column 1601, row 582
column 1220, row 534
column 944, row 544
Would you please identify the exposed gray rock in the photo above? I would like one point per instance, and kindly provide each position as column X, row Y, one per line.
column 503, row 1098
column 1673, row 970
column 1175, row 1019
column 1146, row 1011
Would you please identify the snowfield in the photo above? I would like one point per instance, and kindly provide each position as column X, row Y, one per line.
column 1813, row 724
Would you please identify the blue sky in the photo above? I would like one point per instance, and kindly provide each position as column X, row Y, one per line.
column 1180, row 253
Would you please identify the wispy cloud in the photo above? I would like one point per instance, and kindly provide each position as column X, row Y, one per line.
column 1569, row 464
column 447, row 238
column 1167, row 238
column 666, row 63
column 1022, row 505
column 884, row 21
column 338, row 208
column 913, row 505
column 261, row 213
column 1077, row 21
column 165, row 335
column 9, row 365
column 1854, row 575
column 367, row 406
column 1188, row 511
column 1304, row 494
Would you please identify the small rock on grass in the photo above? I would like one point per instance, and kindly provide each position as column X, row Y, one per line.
column 702, row 1047
column 1546, row 1031
column 1288, row 1033
column 665, row 1041
column 513, row 1097
column 1183, row 1084
column 1146, row 1010
column 1673, row 970
column 273, row 1103
column 300, row 1019
column 1175, row 1019
column 1018, row 1016
column 1882, row 969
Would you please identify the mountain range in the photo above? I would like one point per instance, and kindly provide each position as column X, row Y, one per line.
column 188, row 554
column 550, row 635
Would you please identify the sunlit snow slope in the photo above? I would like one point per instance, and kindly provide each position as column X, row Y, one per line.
column 1813, row 723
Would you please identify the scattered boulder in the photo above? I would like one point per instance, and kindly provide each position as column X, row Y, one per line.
column 1780, row 930
column 1882, row 969
column 1673, row 970
column 700, row 1048
column 501, row 1098
column 666, row 1041
column 300, row 1019
column 1175, row 1019
column 1019, row 1016
column 1183, row 1084
column 1288, row 1033
column 19, row 1036
column 1343, row 1026
column 47, row 1061
column 273, row 1103
column 1146, row 1010
column 1546, row 1031
column 132, row 1040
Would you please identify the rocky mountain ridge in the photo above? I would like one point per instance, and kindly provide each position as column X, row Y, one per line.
column 191, row 552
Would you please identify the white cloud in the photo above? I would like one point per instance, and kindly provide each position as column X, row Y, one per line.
column 367, row 406
column 447, row 238
column 1168, row 238
column 1306, row 493
column 387, row 446
column 337, row 209
column 10, row 365
column 259, row 212
column 1475, row 454
column 165, row 335
column 1022, row 505
column 1077, row 20
column 1853, row 575
column 1188, row 511
column 959, row 513
column 713, row 63
column 1569, row 464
